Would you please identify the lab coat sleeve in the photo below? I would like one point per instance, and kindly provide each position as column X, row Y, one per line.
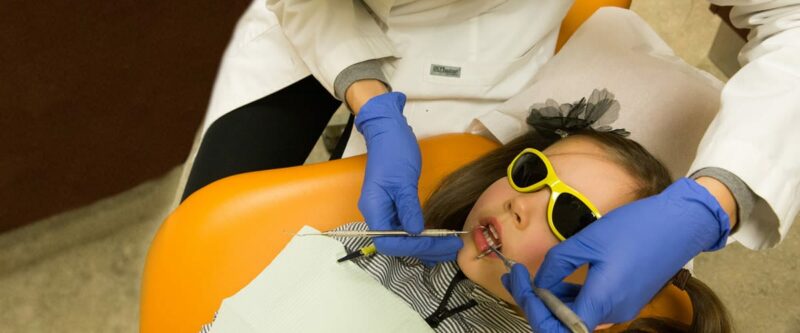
column 755, row 134
column 331, row 35
column 367, row 70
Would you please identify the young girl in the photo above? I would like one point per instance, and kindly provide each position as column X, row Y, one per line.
column 524, row 198
column 602, row 169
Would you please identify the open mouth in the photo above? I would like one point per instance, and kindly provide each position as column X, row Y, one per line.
column 492, row 239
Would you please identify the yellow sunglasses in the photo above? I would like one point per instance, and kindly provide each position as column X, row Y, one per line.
column 568, row 211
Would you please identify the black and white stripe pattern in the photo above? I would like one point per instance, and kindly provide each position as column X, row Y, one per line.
column 423, row 288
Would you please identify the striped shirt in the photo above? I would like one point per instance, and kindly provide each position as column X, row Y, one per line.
column 424, row 288
column 441, row 294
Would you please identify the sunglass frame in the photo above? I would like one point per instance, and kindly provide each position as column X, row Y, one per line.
column 557, row 187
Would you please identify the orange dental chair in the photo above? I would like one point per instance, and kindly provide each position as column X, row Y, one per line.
column 225, row 234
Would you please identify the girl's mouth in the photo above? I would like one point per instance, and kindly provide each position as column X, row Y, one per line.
column 485, row 236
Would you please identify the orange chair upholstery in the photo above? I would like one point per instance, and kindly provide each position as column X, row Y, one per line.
column 580, row 11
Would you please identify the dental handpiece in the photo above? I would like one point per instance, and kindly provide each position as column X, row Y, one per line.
column 552, row 302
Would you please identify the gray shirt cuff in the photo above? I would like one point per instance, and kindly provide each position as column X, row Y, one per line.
column 745, row 197
column 365, row 70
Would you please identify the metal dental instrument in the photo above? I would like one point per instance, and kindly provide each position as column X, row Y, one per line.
column 553, row 303
column 379, row 233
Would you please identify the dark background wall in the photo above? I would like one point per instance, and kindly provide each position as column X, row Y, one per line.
column 98, row 96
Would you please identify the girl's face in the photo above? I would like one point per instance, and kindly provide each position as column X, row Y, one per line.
column 521, row 218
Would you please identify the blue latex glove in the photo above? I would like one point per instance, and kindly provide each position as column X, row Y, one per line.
column 633, row 251
column 389, row 198
column 518, row 283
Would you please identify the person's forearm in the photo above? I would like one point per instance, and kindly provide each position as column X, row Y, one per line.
column 361, row 91
column 723, row 196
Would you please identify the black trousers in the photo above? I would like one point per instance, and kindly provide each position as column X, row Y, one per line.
column 276, row 131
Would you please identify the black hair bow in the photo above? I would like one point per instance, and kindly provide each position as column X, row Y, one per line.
column 597, row 113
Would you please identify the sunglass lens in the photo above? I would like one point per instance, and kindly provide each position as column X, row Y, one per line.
column 529, row 169
column 570, row 215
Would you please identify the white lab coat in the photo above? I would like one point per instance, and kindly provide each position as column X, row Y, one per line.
column 755, row 134
column 498, row 47
column 496, row 44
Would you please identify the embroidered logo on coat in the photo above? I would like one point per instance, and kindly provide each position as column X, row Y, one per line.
column 442, row 70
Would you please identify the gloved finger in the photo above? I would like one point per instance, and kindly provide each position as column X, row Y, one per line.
column 566, row 291
column 419, row 246
column 377, row 208
column 559, row 262
column 518, row 283
column 506, row 280
column 591, row 309
column 595, row 303
column 409, row 210
column 433, row 246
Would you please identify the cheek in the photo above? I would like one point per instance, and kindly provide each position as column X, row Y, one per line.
column 490, row 202
column 497, row 192
column 532, row 257
column 531, row 249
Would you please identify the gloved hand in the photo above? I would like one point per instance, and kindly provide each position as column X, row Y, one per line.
column 518, row 283
column 633, row 251
column 389, row 199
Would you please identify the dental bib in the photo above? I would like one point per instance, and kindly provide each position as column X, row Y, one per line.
column 304, row 289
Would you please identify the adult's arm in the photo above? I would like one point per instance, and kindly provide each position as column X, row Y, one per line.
column 754, row 138
column 339, row 42
column 361, row 91
column 640, row 245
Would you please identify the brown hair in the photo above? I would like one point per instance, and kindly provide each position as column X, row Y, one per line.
column 708, row 314
column 449, row 205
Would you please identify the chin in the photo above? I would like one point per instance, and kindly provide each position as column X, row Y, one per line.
column 467, row 263
column 463, row 258
column 483, row 272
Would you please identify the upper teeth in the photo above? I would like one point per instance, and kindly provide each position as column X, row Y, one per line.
column 491, row 238
column 495, row 234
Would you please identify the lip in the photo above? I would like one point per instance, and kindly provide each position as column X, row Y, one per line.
column 477, row 233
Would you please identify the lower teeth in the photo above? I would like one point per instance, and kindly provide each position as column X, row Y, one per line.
column 490, row 241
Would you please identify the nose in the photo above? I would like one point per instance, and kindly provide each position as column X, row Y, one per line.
column 523, row 207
